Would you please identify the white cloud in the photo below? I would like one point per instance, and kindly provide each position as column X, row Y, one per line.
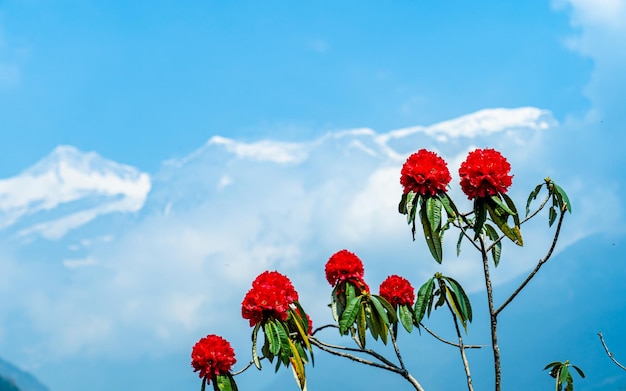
column 84, row 182
column 171, row 277
column 599, row 34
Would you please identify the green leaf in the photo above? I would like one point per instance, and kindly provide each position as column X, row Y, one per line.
column 481, row 215
column 350, row 291
column 391, row 312
column 552, row 364
column 349, row 315
column 533, row 195
column 496, row 250
column 458, row 244
column 272, row 337
column 580, row 372
column 255, row 356
column 551, row 216
column 402, row 204
column 499, row 216
column 563, row 196
column 496, row 199
column 406, row 317
column 203, row 387
column 361, row 325
column 297, row 366
column 372, row 323
column 448, row 205
column 564, row 374
column 423, row 297
column 283, row 335
column 461, row 297
column 432, row 237
column 225, row 383
column 454, row 304
column 380, row 309
column 512, row 208
column 433, row 212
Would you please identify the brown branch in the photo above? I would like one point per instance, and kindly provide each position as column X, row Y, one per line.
column 370, row 352
column 606, row 349
column 429, row 331
column 392, row 368
column 468, row 375
column 539, row 264
column 494, row 318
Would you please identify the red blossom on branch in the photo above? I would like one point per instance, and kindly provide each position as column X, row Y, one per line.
column 344, row 265
column 485, row 172
column 397, row 291
column 425, row 173
column 212, row 356
column 270, row 296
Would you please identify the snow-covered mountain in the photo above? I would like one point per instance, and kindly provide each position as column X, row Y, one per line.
column 68, row 189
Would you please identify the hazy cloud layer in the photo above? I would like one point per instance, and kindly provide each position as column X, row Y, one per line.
column 215, row 219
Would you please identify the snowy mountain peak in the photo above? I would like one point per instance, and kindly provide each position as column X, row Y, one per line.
column 85, row 184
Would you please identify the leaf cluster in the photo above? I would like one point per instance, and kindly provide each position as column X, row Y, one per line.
column 287, row 342
column 561, row 372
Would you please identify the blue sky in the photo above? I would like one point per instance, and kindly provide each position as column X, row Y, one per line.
column 155, row 157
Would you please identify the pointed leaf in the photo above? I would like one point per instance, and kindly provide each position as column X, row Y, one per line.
column 480, row 213
column 272, row 337
column 551, row 216
column 424, row 295
column 349, row 315
column 458, row 244
column 580, row 372
column 496, row 199
column 391, row 312
column 433, row 212
column 448, row 205
column 380, row 309
column 563, row 196
column 499, row 216
column 552, row 364
column 533, row 195
column 461, row 296
column 406, row 317
column 564, row 374
column 361, row 323
column 496, row 250
column 297, row 366
column 255, row 356
column 432, row 237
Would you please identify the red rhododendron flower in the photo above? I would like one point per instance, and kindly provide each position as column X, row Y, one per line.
column 485, row 172
column 425, row 173
column 212, row 356
column 397, row 291
column 343, row 265
column 270, row 296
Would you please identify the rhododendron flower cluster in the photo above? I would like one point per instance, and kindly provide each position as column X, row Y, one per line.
column 212, row 356
column 485, row 172
column 343, row 266
column 397, row 291
column 424, row 173
column 270, row 296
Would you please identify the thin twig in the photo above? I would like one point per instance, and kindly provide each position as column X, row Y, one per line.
column 372, row 353
column 397, row 349
column 539, row 264
column 429, row 331
column 242, row 370
column 392, row 368
column 606, row 349
column 468, row 375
